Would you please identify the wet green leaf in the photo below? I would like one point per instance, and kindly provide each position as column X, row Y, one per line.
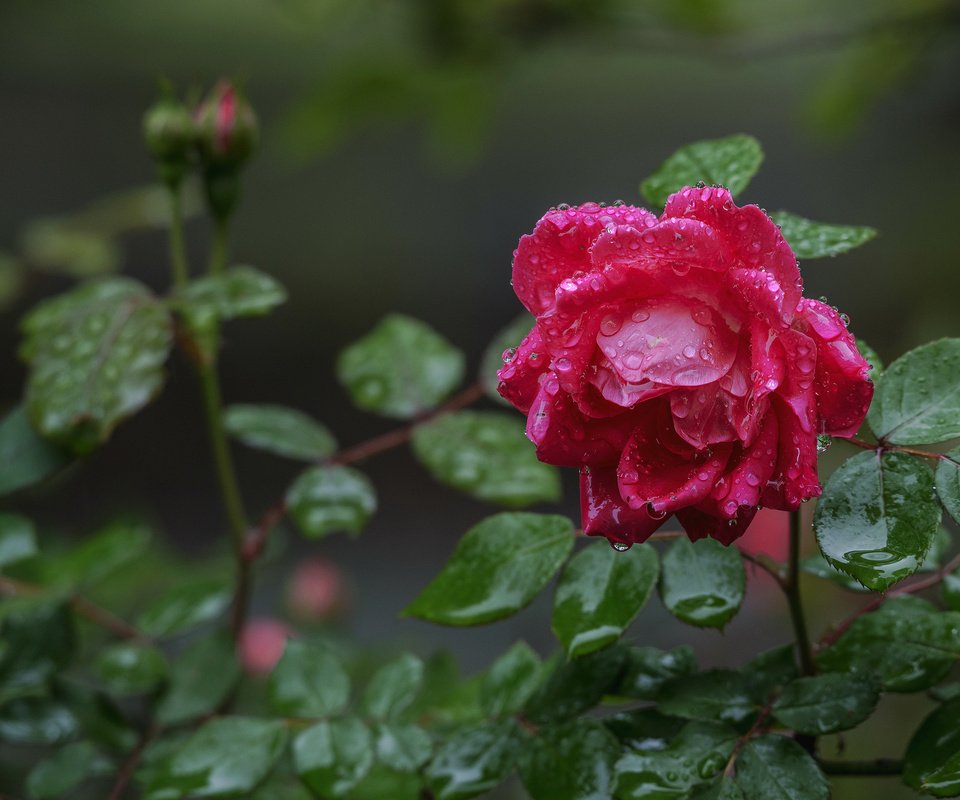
column 508, row 337
column 18, row 539
column 644, row 728
column 475, row 760
column 828, row 703
column 948, row 483
column 906, row 644
column 878, row 517
column 770, row 671
column 333, row 757
column 26, row 457
column 702, row 582
column 199, row 681
column 497, row 568
column 402, row 747
column 227, row 757
column 96, row 356
column 36, row 721
column 401, row 369
column 573, row 761
column 777, row 768
column 571, row 687
column 98, row 556
column 719, row 694
column 280, row 430
column 649, row 668
column 186, row 606
column 809, row 239
column 950, row 590
column 731, row 162
column 917, row 399
column 393, row 687
column 325, row 500
column 873, row 359
column 37, row 639
column 66, row 769
column 599, row 594
column 486, row 455
column 131, row 668
column 308, row 681
column 240, row 291
column 932, row 762
column 510, row 681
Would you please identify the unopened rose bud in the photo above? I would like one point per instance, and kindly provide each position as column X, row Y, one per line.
column 317, row 591
column 227, row 130
column 261, row 644
column 169, row 135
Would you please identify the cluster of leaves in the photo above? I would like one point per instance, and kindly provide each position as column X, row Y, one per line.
column 166, row 708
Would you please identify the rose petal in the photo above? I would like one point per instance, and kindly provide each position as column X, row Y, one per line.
column 560, row 247
column 520, row 376
column 706, row 415
column 763, row 295
column 670, row 248
column 843, row 386
column 699, row 524
column 604, row 513
column 795, row 476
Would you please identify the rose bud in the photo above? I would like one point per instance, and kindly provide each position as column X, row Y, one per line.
column 169, row 136
column 676, row 363
column 317, row 590
column 227, row 130
column 261, row 644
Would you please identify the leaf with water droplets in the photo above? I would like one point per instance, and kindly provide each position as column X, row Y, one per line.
column 200, row 679
column 572, row 686
column 96, row 356
column 573, row 761
column 692, row 758
column 240, row 291
column 932, row 762
column 510, row 681
column 332, row 757
column 777, row 768
column 731, row 162
column 308, row 681
column 809, row 239
column 702, row 582
column 497, row 568
column 18, row 539
column 26, row 457
column 475, row 760
column 878, row 517
column 824, row 704
column 948, row 483
column 872, row 357
column 324, row 500
column 128, row 668
column 277, row 429
column 907, row 645
column 393, row 687
column 917, row 399
column 599, row 593
column 718, row 694
column 506, row 340
column 487, row 455
column 649, row 668
column 401, row 369
column 186, row 605
column 67, row 768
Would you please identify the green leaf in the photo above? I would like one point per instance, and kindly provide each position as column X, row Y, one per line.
column 66, row 769
column 702, row 583
column 826, row 703
column 227, row 757
column 401, row 369
column 185, row 606
column 486, row 455
column 644, row 728
column 948, row 483
column 932, row 761
column 697, row 753
column 725, row 789
column 730, row 162
column 906, row 644
column 240, row 291
column 96, row 356
column 873, row 359
column 510, row 681
column 18, row 539
column 382, row 782
column 719, row 694
column 777, row 768
column 917, row 399
column 570, row 762
column 199, row 681
column 279, row 430
column 446, row 699
column 131, row 668
column 324, row 500
column 817, row 565
column 599, row 594
column 333, row 757
column 38, row 639
column 878, row 517
column 26, row 457
column 809, row 239
column 393, row 687
column 506, row 339
column 475, row 760
column 497, row 568
column 403, row 747
column 36, row 721
column 308, row 681
column 648, row 669
column 571, row 687
column 99, row 556
column 769, row 672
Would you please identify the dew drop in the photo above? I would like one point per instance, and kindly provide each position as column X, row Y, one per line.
column 620, row 547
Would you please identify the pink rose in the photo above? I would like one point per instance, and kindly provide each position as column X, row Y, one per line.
column 677, row 364
column 261, row 644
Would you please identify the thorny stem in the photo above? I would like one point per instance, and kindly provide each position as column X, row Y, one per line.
column 792, row 589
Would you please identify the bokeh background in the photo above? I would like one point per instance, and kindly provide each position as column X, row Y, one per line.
column 407, row 144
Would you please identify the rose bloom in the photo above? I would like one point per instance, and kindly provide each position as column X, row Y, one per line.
column 261, row 644
column 675, row 361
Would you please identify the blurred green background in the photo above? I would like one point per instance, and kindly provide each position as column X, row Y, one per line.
column 407, row 144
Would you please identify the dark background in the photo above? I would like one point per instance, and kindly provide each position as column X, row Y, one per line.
column 406, row 147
